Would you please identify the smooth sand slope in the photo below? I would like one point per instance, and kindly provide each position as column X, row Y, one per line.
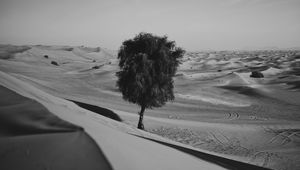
column 34, row 138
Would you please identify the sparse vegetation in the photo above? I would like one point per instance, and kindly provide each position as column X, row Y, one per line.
column 256, row 74
column 95, row 67
column 54, row 63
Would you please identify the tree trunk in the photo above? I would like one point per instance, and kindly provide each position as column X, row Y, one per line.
column 141, row 125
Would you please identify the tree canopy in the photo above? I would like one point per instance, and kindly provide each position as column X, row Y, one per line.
column 147, row 66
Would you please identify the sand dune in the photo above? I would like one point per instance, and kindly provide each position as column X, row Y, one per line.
column 214, row 100
column 144, row 154
column 8, row 51
column 219, row 109
column 272, row 71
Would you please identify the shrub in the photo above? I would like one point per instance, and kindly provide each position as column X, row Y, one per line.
column 54, row 63
column 256, row 74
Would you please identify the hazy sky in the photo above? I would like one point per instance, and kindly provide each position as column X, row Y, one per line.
column 193, row 24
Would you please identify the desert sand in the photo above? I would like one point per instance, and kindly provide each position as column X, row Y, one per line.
column 221, row 117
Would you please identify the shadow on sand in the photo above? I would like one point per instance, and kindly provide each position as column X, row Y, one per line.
column 100, row 110
column 224, row 162
column 245, row 90
column 31, row 137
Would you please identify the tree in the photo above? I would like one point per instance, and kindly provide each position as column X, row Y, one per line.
column 148, row 64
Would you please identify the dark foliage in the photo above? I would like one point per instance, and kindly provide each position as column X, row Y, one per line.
column 95, row 67
column 148, row 64
column 54, row 63
column 46, row 56
column 256, row 74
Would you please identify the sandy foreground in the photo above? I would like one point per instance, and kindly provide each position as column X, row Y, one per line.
column 221, row 118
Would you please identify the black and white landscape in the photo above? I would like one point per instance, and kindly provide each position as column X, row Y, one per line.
column 234, row 108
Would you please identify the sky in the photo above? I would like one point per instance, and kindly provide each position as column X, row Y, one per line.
column 192, row 24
